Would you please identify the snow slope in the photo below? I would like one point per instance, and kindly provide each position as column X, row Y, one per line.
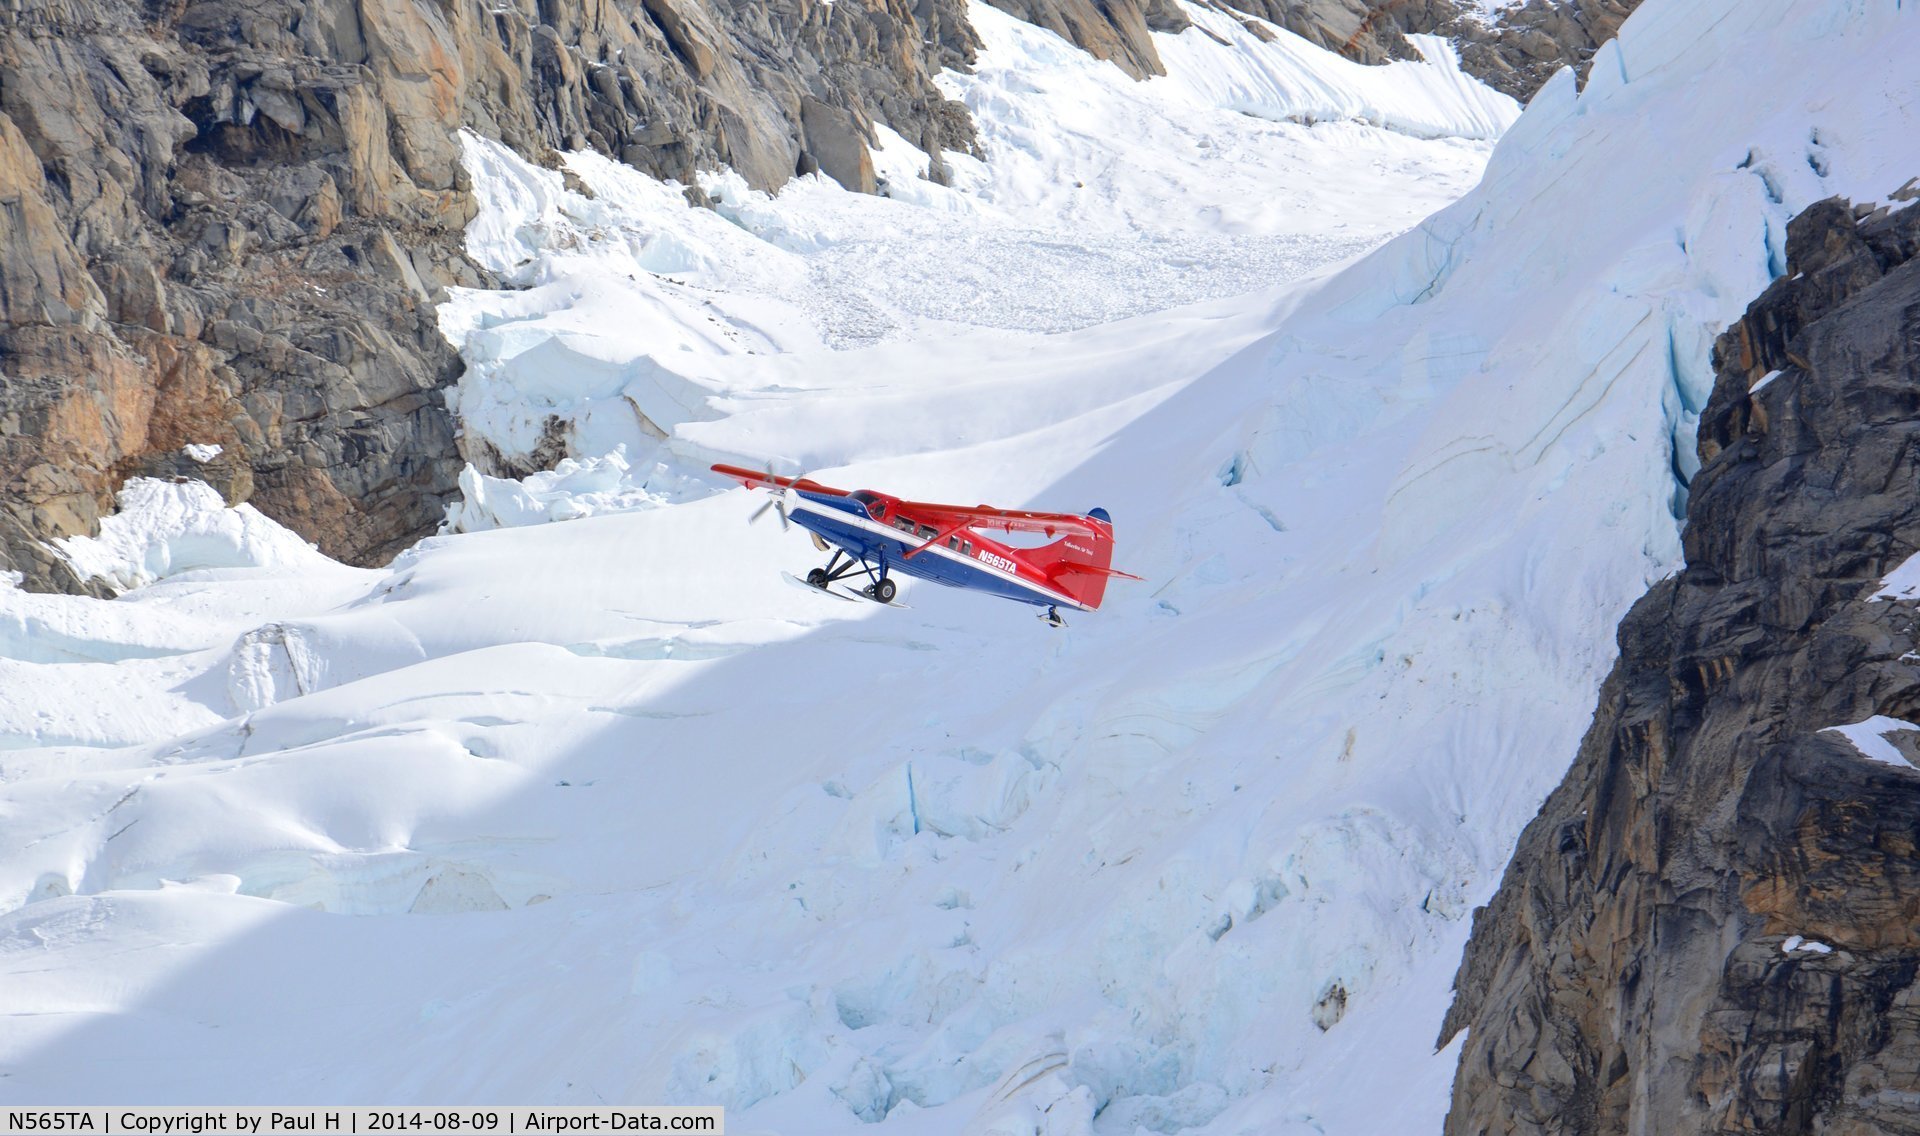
column 602, row 810
column 1103, row 198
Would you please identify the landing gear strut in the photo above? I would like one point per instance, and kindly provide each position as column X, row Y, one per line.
column 1053, row 618
column 882, row 587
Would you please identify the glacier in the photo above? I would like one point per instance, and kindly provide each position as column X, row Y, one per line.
column 578, row 802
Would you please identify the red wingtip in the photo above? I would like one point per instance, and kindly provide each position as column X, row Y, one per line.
column 754, row 478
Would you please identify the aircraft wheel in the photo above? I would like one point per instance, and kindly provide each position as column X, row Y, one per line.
column 885, row 590
column 818, row 578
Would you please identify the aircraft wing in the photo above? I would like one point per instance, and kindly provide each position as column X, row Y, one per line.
column 956, row 517
column 760, row 479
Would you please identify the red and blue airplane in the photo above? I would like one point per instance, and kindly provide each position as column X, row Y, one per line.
column 875, row 534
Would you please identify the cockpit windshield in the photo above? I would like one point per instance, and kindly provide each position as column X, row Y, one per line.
column 871, row 501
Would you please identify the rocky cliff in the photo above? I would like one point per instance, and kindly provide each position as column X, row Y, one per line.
column 1518, row 49
column 1714, row 923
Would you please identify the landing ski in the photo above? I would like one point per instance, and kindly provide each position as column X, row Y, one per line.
column 857, row 594
column 799, row 583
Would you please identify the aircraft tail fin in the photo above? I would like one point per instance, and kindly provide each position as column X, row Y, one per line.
column 1080, row 565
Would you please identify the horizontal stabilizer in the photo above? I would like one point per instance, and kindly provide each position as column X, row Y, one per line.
column 1072, row 569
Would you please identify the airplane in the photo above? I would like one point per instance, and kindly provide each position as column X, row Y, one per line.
column 876, row 534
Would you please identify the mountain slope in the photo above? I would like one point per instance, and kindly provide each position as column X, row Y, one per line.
column 602, row 809
column 236, row 219
column 1732, row 839
column 1709, row 926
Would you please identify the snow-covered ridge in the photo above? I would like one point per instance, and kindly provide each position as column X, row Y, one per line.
column 166, row 528
column 1870, row 740
column 1202, row 861
column 1285, row 77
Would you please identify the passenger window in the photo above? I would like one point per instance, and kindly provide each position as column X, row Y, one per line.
column 928, row 532
column 953, row 542
column 966, row 548
column 903, row 524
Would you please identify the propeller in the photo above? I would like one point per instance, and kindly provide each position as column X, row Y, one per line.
column 776, row 500
column 777, row 505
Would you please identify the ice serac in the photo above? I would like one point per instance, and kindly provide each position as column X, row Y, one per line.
column 233, row 219
column 1710, row 927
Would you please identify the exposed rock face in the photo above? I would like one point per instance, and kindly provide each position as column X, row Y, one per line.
column 1368, row 31
column 1637, row 971
column 1114, row 31
column 1515, row 51
column 227, row 221
column 208, row 256
column 1117, row 30
column 1521, row 48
